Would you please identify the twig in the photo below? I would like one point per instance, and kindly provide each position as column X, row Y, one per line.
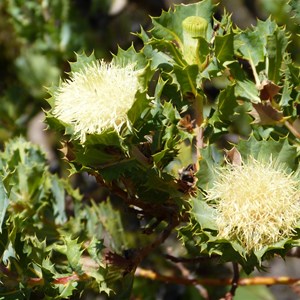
column 235, row 282
column 186, row 273
column 32, row 281
column 149, row 274
column 198, row 143
column 190, row 260
column 235, row 279
column 216, row 282
column 292, row 129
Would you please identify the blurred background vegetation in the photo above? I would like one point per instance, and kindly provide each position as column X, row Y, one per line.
column 39, row 37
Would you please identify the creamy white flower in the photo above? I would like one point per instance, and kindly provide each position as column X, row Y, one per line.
column 257, row 204
column 96, row 98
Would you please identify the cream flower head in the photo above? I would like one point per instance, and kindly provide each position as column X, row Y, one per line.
column 96, row 98
column 257, row 204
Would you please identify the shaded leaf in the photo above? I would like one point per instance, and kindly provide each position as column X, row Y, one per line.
column 224, row 47
column 187, row 78
column 276, row 46
column 268, row 90
column 4, row 202
column 247, row 89
column 58, row 191
column 227, row 103
column 250, row 46
column 265, row 114
column 210, row 157
column 234, row 156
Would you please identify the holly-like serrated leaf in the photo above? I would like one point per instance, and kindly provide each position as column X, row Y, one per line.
column 291, row 79
column 130, row 56
column 98, row 155
column 275, row 42
column 286, row 93
column 94, row 249
column 158, row 59
column 281, row 151
column 66, row 290
column 163, row 54
column 186, row 78
column 169, row 24
column 111, row 220
column 4, row 202
column 57, row 188
column 73, row 251
column 210, row 157
column 170, row 112
column 19, row 150
column 276, row 46
column 139, row 109
column 227, row 103
column 203, row 213
column 224, row 49
column 247, row 90
column 82, row 61
column 265, row 114
column 250, row 46
column 138, row 60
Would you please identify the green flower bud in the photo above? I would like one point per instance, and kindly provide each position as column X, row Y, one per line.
column 193, row 28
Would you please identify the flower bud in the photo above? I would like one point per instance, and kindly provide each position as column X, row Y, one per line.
column 194, row 27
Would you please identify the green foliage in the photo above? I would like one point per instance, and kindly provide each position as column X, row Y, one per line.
column 42, row 250
column 157, row 164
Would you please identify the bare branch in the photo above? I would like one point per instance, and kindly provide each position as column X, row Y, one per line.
column 190, row 260
column 217, row 282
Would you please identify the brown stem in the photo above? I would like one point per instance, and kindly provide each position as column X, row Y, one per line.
column 190, row 260
column 234, row 283
column 186, row 273
column 149, row 274
column 292, row 129
column 197, row 106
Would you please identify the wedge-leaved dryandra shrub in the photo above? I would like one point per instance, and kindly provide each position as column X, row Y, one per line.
column 167, row 161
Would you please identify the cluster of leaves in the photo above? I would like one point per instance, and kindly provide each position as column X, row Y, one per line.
column 260, row 85
column 45, row 252
column 241, row 88
column 173, row 150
